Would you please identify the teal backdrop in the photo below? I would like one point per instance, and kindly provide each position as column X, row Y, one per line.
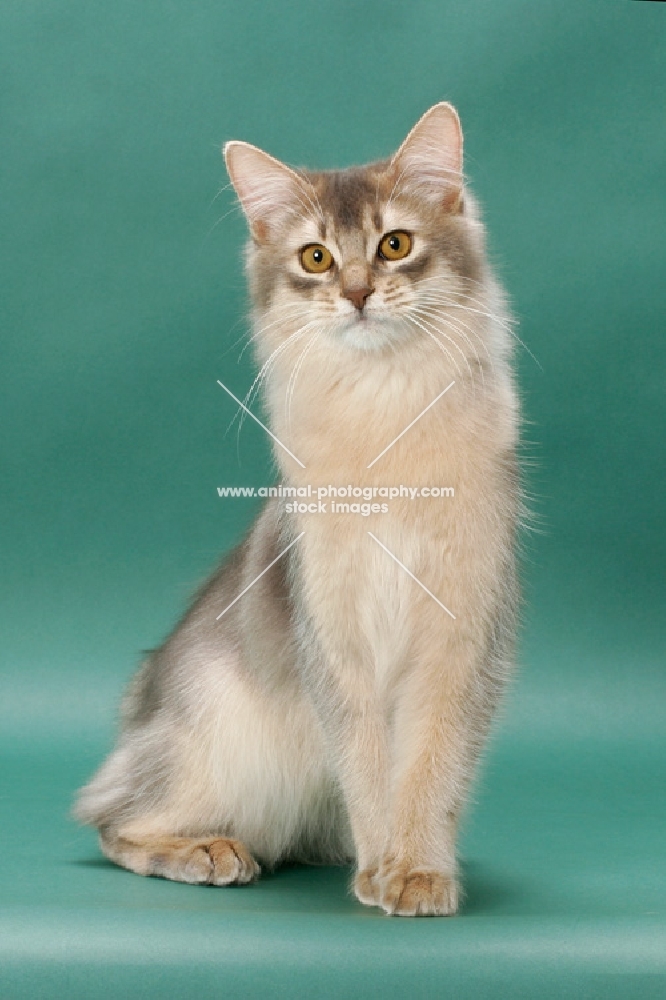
column 123, row 302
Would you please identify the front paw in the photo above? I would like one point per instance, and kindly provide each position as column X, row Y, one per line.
column 416, row 892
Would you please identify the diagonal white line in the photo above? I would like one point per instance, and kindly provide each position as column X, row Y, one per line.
column 277, row 558
column 251, row 414
column 415, row 578
column 410, row 425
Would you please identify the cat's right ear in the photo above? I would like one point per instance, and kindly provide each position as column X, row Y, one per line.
column 268, row 190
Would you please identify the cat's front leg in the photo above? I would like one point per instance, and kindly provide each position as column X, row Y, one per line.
column 356, row 738
column 439, row 724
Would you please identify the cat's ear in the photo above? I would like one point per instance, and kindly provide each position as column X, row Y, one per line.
column 429, row 162
column 268, row 190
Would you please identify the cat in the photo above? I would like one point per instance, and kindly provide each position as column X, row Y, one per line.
column 335, row 711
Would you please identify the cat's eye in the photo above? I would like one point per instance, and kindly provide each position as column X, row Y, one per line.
column 395, row 245
column 316, row 259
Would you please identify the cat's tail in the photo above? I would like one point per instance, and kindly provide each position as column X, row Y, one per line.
column 107, row 797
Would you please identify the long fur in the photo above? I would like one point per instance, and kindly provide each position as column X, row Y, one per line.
column 337, row 711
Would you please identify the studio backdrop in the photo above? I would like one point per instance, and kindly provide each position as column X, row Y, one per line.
column 123, row 304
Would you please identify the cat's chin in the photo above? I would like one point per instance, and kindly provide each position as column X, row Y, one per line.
column 370, row 334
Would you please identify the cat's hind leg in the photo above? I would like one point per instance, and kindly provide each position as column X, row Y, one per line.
column 198, row 860
column 202, row 795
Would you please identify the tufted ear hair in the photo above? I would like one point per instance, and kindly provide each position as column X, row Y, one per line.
column 268, row 190
column 429, row 162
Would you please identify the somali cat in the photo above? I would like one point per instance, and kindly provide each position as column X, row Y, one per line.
column 336, row 710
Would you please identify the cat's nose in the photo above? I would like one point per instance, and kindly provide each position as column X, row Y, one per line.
column 358, row 295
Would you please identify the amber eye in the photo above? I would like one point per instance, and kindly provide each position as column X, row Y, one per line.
column 395, row 246
column 316, row 259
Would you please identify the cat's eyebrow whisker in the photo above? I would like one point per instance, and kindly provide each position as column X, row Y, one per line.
column 395, row 188
column 225, row 187
column 308, row 190
column 308, row 206
column 234, row 208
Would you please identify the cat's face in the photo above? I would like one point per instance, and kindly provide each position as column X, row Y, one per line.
column 368, row 257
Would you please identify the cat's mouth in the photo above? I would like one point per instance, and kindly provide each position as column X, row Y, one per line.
column 367, row 319
column 368, row 315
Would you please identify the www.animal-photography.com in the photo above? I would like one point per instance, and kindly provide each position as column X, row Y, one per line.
column 333, row 637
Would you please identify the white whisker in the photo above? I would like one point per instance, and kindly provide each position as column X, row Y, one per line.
column 416, row 322
column 291, row 386
column 432, row 329
column 263, row 374
column 438, row 317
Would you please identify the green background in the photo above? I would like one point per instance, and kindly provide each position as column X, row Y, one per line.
column 122, row 303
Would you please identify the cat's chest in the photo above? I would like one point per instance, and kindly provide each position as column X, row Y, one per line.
column 362, row 580
column 366, row 570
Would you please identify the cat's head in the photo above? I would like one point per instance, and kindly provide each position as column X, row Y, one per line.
column 368, row 256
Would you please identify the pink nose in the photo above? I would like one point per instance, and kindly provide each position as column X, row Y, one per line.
column 358, row 296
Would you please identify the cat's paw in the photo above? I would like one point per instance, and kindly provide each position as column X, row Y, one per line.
column 366, row 889
column 416, row 892
column 215, row 861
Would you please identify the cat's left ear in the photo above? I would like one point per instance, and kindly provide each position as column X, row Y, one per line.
column 430, row 160
column 268, row 190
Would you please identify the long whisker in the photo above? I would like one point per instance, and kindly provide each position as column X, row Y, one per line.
column 268, row 364
column 458, row 327
column 412, row 319
column 291, row 387
column 285, row 315
column 263, row 373
column 507, row 327
column 436, row 330
column 460, row 296
column 505, row 322
column 234, row 208
column 436, row 308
